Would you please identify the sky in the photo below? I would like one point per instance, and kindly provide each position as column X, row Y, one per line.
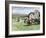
column 22, row 10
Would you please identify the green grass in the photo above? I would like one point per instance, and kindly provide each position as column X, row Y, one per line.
column 21, row 26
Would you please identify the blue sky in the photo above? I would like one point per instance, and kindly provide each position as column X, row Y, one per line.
column 22, row 10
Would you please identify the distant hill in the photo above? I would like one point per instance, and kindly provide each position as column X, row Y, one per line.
column 20, row 14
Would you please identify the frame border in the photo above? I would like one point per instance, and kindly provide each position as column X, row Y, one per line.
column 7, row 18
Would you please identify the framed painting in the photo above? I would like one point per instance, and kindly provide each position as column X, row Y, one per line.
column 24, row 18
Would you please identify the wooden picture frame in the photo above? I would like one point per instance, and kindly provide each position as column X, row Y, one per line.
column 26, row 3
